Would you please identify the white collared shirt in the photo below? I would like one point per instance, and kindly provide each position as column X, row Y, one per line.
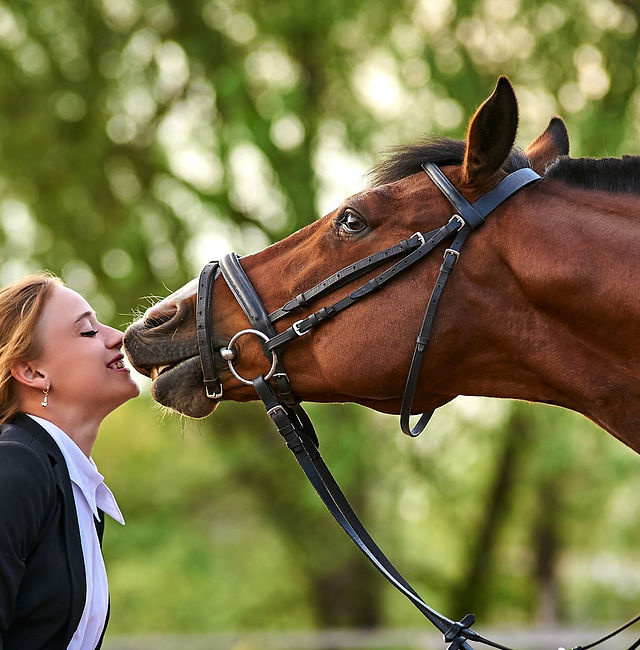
column 90, row 493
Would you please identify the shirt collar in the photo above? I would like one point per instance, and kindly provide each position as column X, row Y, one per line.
column 83, row 472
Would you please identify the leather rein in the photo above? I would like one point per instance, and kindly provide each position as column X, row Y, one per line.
column 281, row 404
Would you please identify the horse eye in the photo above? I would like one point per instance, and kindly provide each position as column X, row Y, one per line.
column 352, row 222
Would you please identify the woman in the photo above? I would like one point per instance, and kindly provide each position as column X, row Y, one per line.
column 61, row 373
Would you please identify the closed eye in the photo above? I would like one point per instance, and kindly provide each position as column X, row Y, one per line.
column 89, row 333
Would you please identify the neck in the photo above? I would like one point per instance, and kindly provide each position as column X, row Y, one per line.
column 82, row 430
column 563, row 324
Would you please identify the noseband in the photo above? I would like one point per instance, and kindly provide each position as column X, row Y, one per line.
column 284, row 409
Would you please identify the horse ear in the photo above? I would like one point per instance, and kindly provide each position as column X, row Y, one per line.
column 491, row 134
column 546, row 148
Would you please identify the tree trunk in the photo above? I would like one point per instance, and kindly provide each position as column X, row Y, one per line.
column 470, row 595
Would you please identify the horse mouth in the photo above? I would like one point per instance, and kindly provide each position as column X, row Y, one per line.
column 174, row 372
column 179, row 387
column 156, row 371
column 173, row 365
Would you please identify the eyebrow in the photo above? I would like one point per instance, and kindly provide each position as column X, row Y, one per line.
column 85, row 314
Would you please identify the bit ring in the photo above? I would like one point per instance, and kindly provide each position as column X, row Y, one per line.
column 234, row 372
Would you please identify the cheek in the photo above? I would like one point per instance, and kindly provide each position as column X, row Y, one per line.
column 78, row 364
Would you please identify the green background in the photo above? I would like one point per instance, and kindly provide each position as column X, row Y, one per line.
column 140, row 138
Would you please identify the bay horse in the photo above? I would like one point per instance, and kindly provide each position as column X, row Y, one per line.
column 542, row 305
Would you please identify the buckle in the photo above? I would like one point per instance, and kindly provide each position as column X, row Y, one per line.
column 214, row 395
column 459, row 219
column 296, row 328
column 274, row 409
column 453, row 252
column 420, row 237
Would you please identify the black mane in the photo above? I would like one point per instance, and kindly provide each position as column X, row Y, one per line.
column 607, row 174
column 405, row 161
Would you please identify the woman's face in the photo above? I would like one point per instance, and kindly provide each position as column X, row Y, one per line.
column 81, row 357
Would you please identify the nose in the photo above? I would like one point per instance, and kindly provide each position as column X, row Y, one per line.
column 168, row 307
column 161, row 311
column 113, row 338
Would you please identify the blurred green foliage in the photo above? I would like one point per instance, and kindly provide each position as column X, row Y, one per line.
column 140, row 138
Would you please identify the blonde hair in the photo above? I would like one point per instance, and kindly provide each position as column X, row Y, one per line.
column 21, row 305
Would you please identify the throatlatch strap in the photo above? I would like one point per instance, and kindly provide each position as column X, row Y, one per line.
column 450, row 258
column 473, row 216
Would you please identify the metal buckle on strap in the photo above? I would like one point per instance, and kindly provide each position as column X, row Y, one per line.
column 274, row 409
column 420, row 237
column 459, row 219
column 214, row 395
column 296, row 328
column 450, row 250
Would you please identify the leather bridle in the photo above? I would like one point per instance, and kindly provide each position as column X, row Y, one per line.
column 468, row 217
column 274, row 388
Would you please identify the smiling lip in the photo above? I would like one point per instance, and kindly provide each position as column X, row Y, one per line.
column 117, row 364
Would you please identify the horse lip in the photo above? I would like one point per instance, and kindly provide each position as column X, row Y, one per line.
column 140, row 349
column 156, row 371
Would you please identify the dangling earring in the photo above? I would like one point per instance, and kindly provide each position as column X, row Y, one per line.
column 45, row 400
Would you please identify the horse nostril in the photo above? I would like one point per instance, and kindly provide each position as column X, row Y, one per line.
column 160, row 313
column 155, row 317
column 150, row 323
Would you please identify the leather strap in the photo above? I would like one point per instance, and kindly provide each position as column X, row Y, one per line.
column 212, row 383
column 245, row 294
column 468, row 212
column 474, row 216
column 422, row 341
column 350, row 273
column 306, row 453
column 304, row 325
column 475, row 213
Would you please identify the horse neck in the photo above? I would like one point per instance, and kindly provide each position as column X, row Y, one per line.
column 574, row 300
column 575, row 253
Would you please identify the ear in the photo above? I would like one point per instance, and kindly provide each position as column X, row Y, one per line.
column 546, row 148
column 25, row 373
column 491, row 134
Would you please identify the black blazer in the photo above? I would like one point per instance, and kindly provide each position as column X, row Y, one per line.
column 42, row 577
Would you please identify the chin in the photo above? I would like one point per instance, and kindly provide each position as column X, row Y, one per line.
column 133, row 390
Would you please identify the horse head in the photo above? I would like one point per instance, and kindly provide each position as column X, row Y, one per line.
column 362, row 355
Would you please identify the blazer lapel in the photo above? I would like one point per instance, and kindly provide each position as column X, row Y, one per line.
column 74, row 550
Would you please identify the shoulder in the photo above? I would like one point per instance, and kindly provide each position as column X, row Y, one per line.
column 25, row 466
column 28, row 495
